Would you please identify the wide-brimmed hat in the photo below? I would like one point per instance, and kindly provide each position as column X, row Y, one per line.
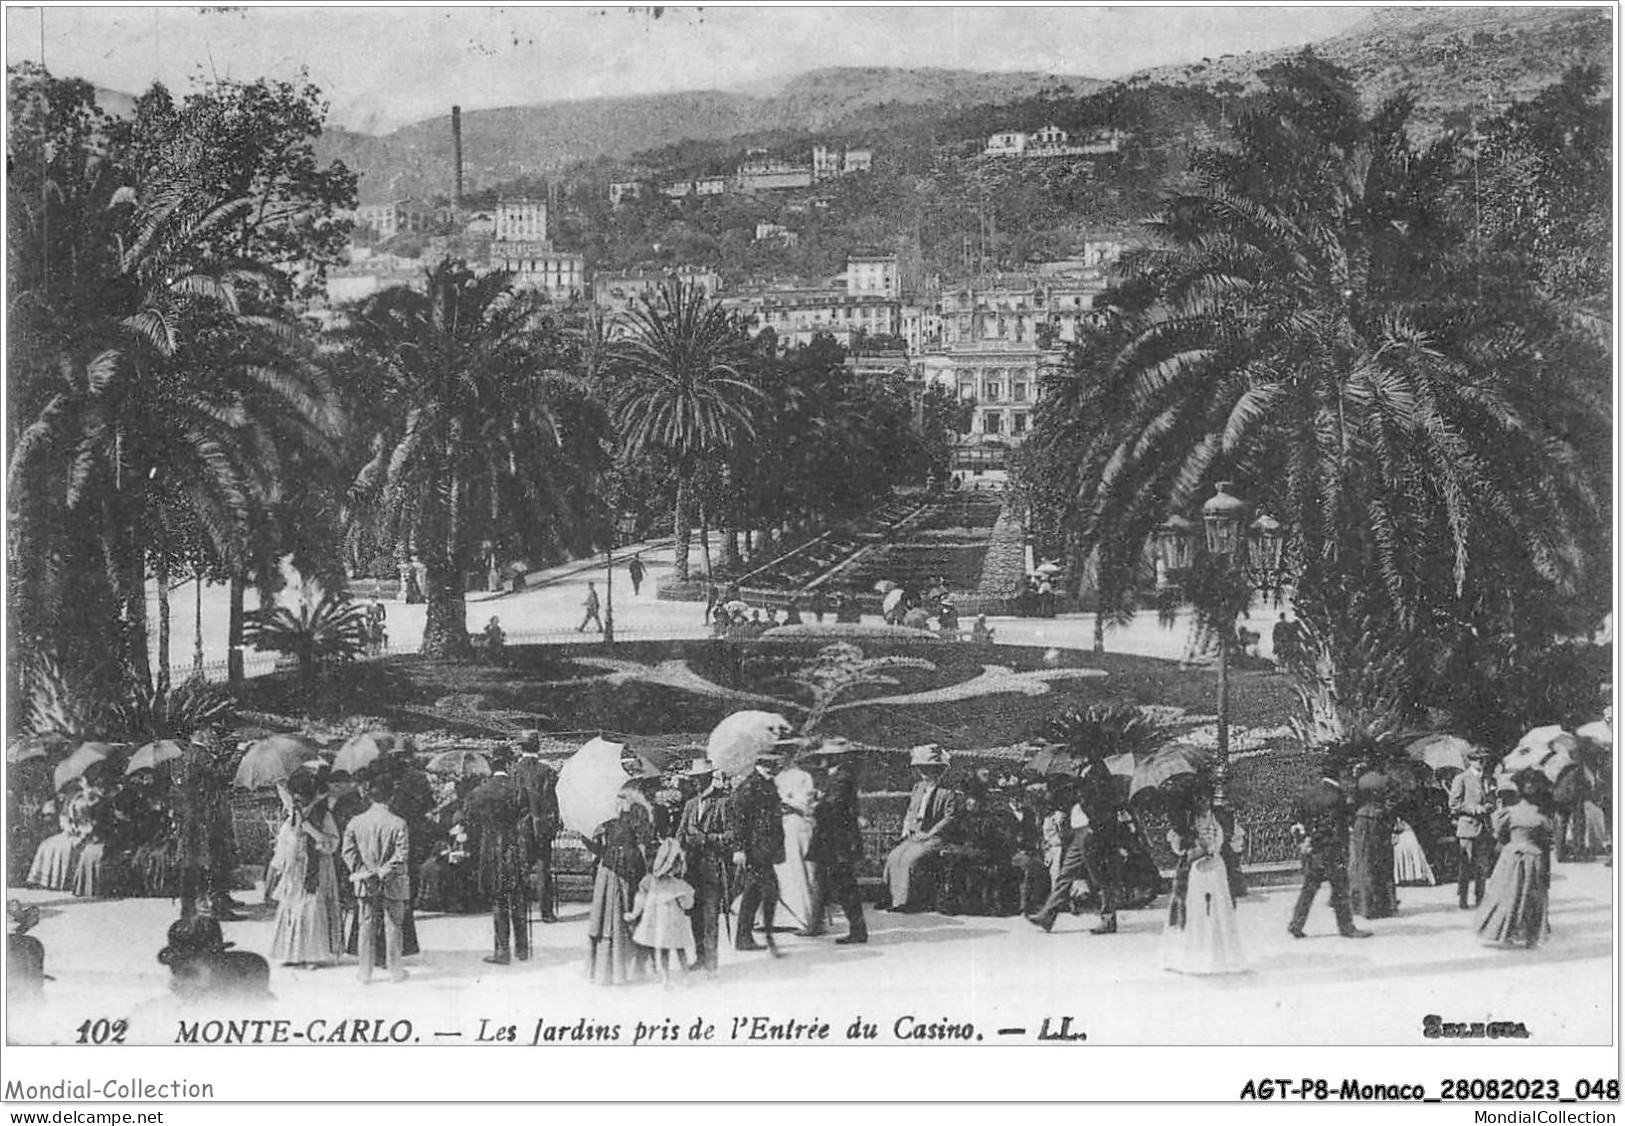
column 779, row 748
column 928, row 754
column 668, row 859
column 833, row 745
column 700, row 768
column 1478, row 753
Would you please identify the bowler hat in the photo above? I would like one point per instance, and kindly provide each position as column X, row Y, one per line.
column 701, row 768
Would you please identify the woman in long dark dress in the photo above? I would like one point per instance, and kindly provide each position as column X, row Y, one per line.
column 621, row 846
column 1371, row 850
column 1516, row 898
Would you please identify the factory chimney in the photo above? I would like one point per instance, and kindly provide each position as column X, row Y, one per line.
column 457, row 157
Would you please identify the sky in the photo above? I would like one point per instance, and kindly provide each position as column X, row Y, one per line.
column 384, row 66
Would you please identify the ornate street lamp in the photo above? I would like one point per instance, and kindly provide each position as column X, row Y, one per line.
column 1224, row 522
column 626, row 524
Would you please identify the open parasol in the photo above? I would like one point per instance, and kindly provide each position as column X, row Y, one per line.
column 80, row 761
column 738, row 739
column 588, row 783
column 1048, row 568
column 460, row 764
column 1546, row 749
column 736, row 606
column 893, row 597
column 1596, row 743
column 1170, row 762
column 363, row 749
column 272, row 760
column 884, row 586
column 1440, row 750
column 1053, row 758
column 149, row 756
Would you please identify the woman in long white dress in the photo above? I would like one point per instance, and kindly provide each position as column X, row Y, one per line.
column 1202, row 936
column 1411, row 865
column 309, row 924
column 798, row 876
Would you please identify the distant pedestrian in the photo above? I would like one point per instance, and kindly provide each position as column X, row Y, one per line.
column 818, row 605
column 495, row 637
column 635, row 570
column 1286, row 638
column 591, row 603
column 792, row 613
column 712, row 594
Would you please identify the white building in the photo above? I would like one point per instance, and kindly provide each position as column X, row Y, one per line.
column 521, row 220
column 616, row 291
column 873, row 275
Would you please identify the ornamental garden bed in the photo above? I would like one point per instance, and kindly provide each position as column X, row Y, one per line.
column 981, row 702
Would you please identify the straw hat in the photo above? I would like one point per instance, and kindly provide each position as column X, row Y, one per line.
column 700, row 768
column 928, row 754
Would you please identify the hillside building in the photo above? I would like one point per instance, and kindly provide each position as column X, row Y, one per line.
column 521, row 220
column 774, row 232
column 622, row 190
column 616, row 291
column 1052, row 141
column 400, row 216
column 873, row 275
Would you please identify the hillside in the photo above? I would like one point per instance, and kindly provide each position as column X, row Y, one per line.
column 1458, row 62
column 505, row 144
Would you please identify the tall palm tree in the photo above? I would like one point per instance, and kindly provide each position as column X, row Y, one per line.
column 1313, row 320
column 469, row 442
column 679, row 392
column 167, row 393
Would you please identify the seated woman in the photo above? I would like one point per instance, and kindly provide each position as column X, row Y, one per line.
column 103, row 866
column 927, row 829
column 57, row 859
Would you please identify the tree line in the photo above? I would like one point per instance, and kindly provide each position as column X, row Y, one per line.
column 177, row 410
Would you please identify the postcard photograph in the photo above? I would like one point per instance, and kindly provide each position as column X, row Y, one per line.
column 946, row 527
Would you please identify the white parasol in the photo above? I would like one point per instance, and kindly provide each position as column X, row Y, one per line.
column 272, row 760
column 1048, row 567
column 588, row 783
column 737, row 740
column 893, row 597
column 1546, row 749
column 1441, row 750
column 736, row 607
column 363, row 749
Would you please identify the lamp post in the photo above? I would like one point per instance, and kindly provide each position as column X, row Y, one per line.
column 1226, row 532
column 625, row 524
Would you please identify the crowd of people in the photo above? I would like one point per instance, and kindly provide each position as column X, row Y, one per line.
column 691, row 859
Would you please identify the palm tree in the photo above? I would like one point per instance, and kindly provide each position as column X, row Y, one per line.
column 1313, row 320
column 167, row 394
column 469, row 439
column 679, row 393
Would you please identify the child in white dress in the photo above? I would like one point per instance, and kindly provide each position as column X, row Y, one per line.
column 661, row 909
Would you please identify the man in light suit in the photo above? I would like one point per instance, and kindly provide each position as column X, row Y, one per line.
column 377, row 855
column 932, row 810
column 1472, row 800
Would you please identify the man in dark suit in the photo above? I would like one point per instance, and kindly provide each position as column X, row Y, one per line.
column 538, row 783
column 1324, row 817
column 1092, row 851
column 500, row 811
column 377, row 851
column 837, row 844
column 758, row 824
column 1472, row 800
column 706, row 834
